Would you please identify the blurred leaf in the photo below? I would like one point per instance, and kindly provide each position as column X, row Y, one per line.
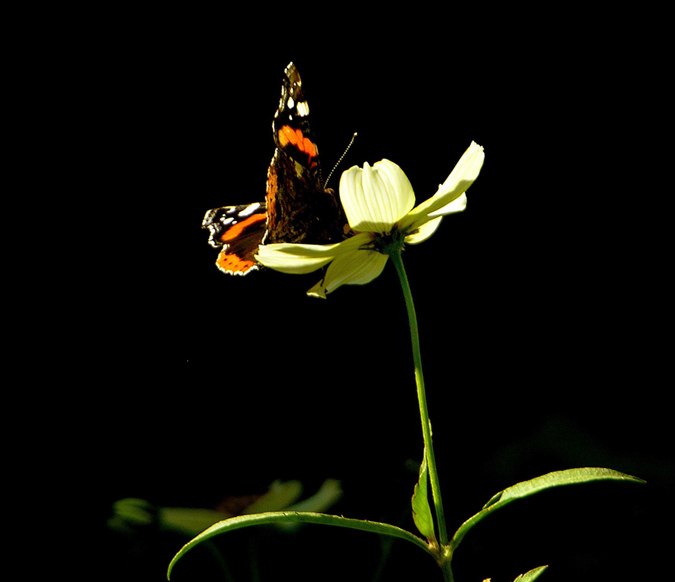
column 241, row 521
column 279, row 496
column 131, row 513
column 531, row 575
column 526, row 488
column 188, row 521
column 327, row 495
column 420, row 504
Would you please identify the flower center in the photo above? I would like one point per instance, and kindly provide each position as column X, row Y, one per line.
column 390, row 243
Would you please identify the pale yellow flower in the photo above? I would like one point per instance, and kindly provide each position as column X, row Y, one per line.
column 380, row 206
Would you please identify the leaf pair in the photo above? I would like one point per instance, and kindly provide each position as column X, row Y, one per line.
column 421, row 514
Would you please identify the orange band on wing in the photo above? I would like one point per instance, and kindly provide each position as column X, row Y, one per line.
column 233, row 232
column 295, row 137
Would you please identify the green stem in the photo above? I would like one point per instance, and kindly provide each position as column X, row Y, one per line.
column 422, row 399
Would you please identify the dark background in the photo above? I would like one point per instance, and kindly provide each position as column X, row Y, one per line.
column 545, row 325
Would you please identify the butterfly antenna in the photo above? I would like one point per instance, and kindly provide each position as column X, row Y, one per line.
column 340, row 160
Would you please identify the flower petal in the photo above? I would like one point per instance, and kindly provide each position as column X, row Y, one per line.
column 350, row 268
column 457, row 205
column 423, row 232
column 375, row 198
column 291, row 258
column 303, row 258
column 448, row 197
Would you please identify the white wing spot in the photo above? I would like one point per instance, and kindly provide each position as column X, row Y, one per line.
column 250, row 209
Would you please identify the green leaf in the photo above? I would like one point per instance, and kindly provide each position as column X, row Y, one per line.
column 526, row 488
column 241, row 521
column 420, row 504
column 531, row 575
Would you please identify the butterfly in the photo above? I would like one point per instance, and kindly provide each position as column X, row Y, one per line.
column 298, row 208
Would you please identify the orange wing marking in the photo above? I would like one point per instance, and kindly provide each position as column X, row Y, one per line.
column 295, row 137
column 234, row 265
column 237, row 229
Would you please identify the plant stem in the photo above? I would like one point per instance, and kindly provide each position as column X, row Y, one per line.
column 424, row 412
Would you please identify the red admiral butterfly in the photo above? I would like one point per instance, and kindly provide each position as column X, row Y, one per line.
column 298, row 208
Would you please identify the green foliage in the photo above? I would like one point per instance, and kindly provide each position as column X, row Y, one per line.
column 242, row 521
column 422, row 514
column 527, row 488
column 531, row 575
column 420, row 504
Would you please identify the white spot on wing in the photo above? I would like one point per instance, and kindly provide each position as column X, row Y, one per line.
column 250, row 209
column 303, row 109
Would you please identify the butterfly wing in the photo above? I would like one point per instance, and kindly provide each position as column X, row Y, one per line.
column 238, row 232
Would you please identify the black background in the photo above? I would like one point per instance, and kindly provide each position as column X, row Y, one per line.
column 544, row 307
